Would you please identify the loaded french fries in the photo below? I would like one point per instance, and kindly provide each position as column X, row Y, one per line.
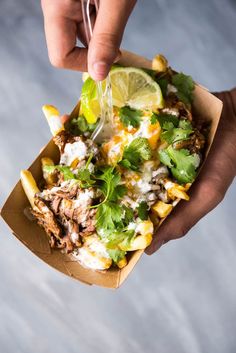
column 103, row 200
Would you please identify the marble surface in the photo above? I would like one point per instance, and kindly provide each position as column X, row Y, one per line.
column 180, row 300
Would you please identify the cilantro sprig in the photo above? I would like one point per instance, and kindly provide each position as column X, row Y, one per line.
column 79, row 126
column 135, row 153
column 83, row 176
column 164, row 119
column 173, row 134
column 182, row 164
column 112, row 218
column 143, row 210
column 110, row 184
column 185, row 87
column 66, row 171
column 130, row 117
column 116, row 254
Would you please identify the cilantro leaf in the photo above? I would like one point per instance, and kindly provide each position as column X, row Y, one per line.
column 67, row 173
column 185, row 124
column 84, row 176
column 174, row 129
column 128, row 215
column 128, row 236
column 163, row 83
column 173, row 134
column 168, row 125
column 165, row 119
column 182, row 164
column 110, row 179
column 143, row 210
column 112, row 220
column 110, row 184
column 118, row 192
column 176, row 134
column 116, row 254
column 185, row 87
column 115, row 237
column 130, row 117
column 112, row 216
column 154, row 119
column 110, row 224
column 108, row 216
column 136, row 152
column 79, row 125
column 165, row 158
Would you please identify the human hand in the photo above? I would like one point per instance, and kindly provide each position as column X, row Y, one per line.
column 63, row 24
column 212, row 183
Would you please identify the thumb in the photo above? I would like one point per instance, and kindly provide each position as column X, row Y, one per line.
column 107, row 34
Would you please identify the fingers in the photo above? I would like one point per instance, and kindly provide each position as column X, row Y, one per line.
column 61, row 21
column 208, row 190
column 204, row 197
column 107, row 34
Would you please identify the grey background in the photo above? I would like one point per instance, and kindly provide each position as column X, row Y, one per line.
column 180, row 300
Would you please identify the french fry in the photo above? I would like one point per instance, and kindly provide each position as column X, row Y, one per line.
column 29, row 185
column 49, row 177
column 162, row 209
column 93, row 259
column 175, row 190
column 122, row 263
column 159, row 63
column 145, row 227
column 138, row 243
column 53, row 117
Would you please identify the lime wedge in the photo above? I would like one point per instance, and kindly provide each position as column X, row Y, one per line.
column 89, row 103
column 130, row 86
column 135, row 88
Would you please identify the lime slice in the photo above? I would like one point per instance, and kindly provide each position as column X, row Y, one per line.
column 130, row 86
column 135, row 88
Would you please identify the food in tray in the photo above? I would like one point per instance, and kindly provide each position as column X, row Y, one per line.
column 101, row 201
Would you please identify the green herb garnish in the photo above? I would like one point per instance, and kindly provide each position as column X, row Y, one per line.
column 182, row 164
column 85, row 176
column 116, row 255
column 185, row 87
column 67, row 173
column 143, row 210
column 130, row 117
column 137, row 152
column 164, row 119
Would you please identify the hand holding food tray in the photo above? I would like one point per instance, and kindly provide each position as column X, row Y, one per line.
column 100, row 204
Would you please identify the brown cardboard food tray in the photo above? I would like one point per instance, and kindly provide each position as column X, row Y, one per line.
column 205, row 105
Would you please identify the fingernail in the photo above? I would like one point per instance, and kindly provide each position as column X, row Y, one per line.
column 100, row 69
